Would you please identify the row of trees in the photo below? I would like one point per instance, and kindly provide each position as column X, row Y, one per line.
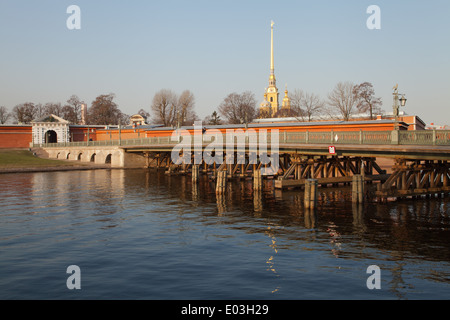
column 29, row 111
column 170, row 109
column 344, row 101
column 167, row 108
column 103, row 111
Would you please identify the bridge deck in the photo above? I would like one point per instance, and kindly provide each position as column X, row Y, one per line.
column 384, row 151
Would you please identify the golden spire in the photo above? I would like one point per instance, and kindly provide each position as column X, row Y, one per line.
column 272, row 67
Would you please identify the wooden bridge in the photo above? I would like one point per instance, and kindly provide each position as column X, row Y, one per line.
column 420, row 160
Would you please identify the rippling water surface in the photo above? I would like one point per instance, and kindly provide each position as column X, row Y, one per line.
column 138, row 234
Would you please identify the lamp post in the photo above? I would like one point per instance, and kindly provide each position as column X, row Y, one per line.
column 396, row 106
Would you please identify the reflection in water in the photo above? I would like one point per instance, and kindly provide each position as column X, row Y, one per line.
column 173, row 231
column 396, row 228
column 257, row 202
column 271, row 260
column 310, row 218
column 221, row 204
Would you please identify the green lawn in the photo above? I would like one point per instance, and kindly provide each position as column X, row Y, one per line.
column 26, row 159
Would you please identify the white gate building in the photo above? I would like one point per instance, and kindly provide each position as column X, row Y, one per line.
column 50, row 129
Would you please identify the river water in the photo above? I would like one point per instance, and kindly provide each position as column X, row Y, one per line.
column 140, row 234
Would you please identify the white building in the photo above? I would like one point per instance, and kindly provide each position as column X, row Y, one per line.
column 50, row 129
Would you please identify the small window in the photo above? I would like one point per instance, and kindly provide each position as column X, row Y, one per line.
column 271, row 99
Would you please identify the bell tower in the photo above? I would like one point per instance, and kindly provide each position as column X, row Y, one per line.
column 272, row 94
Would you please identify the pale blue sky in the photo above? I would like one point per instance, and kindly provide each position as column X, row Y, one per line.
column 213, row 48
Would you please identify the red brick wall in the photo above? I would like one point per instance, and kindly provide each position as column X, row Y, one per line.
column 15, row 136
column 124, row 134
column 78, row 134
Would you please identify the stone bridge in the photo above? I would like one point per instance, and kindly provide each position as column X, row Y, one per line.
column 114, row 155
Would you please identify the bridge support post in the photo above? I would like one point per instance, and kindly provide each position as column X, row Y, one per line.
column 358, row 189
column 195, row 172
column 221, row 182
column 311, row 193
column 257, row 180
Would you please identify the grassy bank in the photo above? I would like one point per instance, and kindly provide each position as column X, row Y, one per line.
column 25, row 159
column 20, row 160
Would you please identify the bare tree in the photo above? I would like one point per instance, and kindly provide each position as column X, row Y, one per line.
column 68, row 113
column 124, row 119
column 296, row 103
column 342, row 100
column 75, row 103
column 239, row 108
column 185, row 109
column 170, row 110
column 312, row 105
column 104, row 111
column 39, row 111
column 4, row 115
column 53, row 108
column 366, row 98
column 306, row 105
column 24, row 112
column 164, row 107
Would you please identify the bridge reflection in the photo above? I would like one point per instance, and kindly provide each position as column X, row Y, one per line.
column 337, row 229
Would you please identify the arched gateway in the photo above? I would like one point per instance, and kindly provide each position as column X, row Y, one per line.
column 50, row 129
column 51, row 136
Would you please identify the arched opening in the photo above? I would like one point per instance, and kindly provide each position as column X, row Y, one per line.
column 57, row 156
column 51, row 137
column 67, row 157
column 108, row 158
column 92, row 158
column 79, row 157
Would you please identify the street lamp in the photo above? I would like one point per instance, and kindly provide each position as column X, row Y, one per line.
column 396, row 106
column 403, row 100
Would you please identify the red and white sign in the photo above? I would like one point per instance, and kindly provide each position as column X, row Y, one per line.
column 332, row 149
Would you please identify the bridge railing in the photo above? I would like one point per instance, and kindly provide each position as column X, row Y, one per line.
column 421, row 137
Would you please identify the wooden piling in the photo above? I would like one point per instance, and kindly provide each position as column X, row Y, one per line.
column 257, row 180
column 195, row 173
column 358, row 188
column 221, row 182
column 311, row 193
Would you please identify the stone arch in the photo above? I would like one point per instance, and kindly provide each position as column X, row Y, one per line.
column 92, row 158
column 51, row 136
column 67, row 155
column 57, row 155
column 79, row 156
column 108, row 159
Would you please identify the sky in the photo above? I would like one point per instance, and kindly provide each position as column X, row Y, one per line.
column 213, row 48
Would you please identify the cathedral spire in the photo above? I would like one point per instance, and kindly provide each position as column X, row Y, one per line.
column 271, row 95
column 272, row 80
column 272, row 67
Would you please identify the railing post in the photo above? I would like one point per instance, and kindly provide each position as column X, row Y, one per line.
column 434, row 136
column 307, row 136
column 360, row 136
column 395, row 137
